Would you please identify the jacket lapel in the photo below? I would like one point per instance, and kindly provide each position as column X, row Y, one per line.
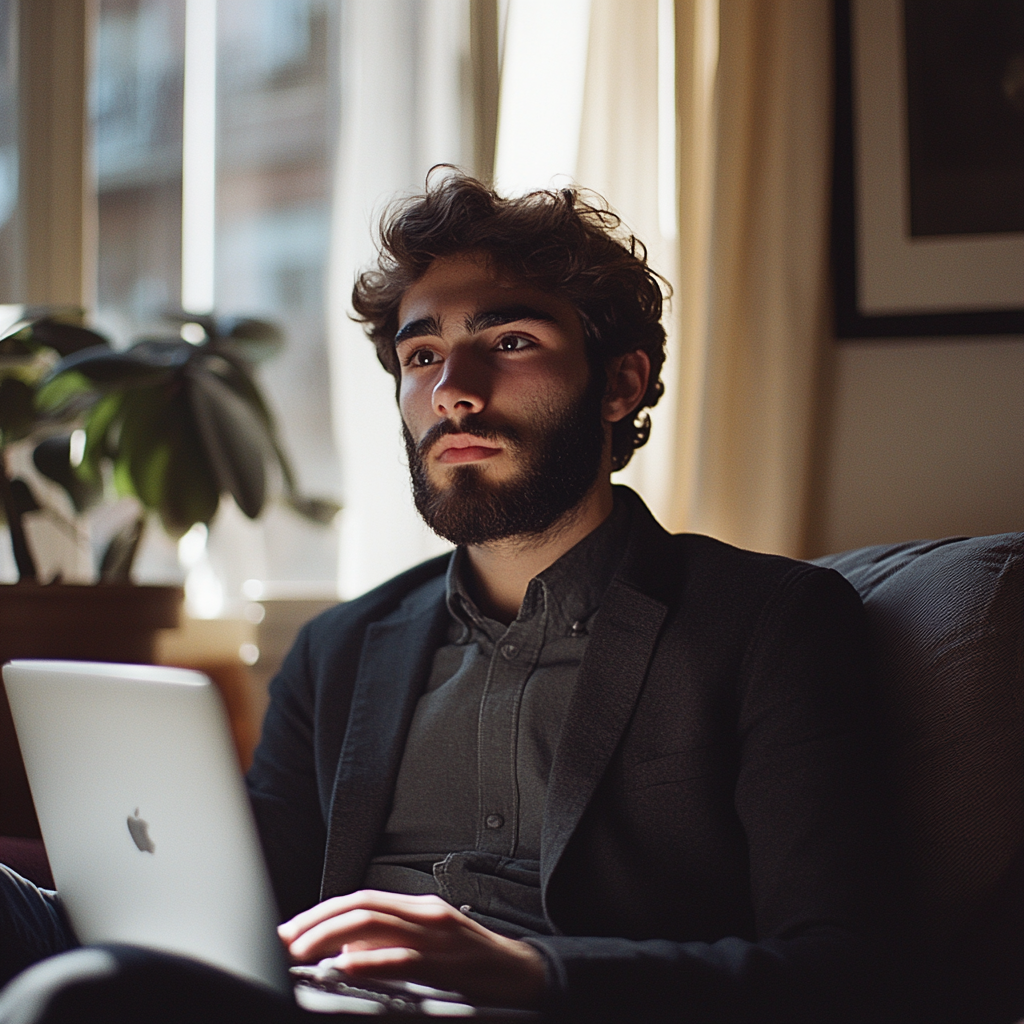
column 393, row 669
column 610, row 678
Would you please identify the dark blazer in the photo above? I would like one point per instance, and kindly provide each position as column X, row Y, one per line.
column 711, row 842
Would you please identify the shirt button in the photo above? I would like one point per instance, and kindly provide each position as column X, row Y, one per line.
column 465, row 908
column 494, row 821
column 509, row 651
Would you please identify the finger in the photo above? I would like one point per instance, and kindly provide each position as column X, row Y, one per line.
column 367, row 928
column 509, row 974
column 400, row 964
column 369, row 899
column 386, row 962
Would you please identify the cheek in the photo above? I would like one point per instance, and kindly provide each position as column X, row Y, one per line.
column 550, row 395
column 413, row 400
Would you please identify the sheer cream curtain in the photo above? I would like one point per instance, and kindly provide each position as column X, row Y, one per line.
column 754, row 93
column 744, row 244
column 620, row 150
column 732, row 441
column 405, row 106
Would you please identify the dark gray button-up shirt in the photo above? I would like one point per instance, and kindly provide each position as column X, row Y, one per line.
column 469, row 802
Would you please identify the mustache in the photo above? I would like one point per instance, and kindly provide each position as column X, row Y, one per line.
column 472, row 425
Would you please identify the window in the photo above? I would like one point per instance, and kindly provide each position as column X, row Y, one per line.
column 269, row 152
column 10, row 285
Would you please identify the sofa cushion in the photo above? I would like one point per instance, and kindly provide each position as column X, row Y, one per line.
column 948, row 624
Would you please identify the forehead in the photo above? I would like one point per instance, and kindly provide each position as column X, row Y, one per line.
column 455, row 286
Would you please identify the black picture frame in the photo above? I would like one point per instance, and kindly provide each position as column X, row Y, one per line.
column 850, row 321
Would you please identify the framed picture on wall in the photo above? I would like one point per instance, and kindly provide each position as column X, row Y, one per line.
column 928, row 197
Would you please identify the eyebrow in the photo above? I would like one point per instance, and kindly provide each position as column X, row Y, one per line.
column 427, row 325
column 430, row 326
column 507, row 315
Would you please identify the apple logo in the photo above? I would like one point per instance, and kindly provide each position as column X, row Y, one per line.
column 140, row 833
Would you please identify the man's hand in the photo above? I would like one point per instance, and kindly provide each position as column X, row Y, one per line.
column 417, row 938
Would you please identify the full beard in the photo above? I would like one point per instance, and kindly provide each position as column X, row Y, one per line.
column 559, row 456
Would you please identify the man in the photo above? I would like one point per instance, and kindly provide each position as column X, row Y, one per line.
column 580, row 765
column 627, row 765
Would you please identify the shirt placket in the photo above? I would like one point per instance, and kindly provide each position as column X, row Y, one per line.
column 512, row 661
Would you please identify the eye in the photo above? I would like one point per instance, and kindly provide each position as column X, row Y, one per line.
column 514, row 343
column 422, row 357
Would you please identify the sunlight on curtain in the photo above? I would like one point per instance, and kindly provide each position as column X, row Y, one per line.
column 626, row 154
column 755, row 150
column 405, row 107
column 543, row 68
column 585, row 93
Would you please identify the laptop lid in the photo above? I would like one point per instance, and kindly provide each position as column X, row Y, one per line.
column 144, row 813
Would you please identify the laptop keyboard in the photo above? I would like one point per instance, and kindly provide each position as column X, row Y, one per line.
column 322, row 988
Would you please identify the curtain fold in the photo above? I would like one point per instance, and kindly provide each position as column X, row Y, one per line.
column 619, row 159
column 754, row 116
column 733, row 438
column 404, row 107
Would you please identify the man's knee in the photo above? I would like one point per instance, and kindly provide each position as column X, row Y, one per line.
column 32, row 924
column 110, row 984
column 42, row 988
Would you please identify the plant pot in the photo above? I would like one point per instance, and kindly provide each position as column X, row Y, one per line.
column 104, row 622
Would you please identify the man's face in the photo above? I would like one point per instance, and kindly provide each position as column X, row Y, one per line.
column 502, row 418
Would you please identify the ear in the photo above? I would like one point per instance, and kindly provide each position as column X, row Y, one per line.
column 627, row 382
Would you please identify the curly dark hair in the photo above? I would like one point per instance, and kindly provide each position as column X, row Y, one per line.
column 565, row 242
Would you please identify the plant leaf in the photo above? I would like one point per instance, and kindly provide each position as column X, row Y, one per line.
column 52, row 457
column 161, row 459
column 22, row 497
column 146, row 363
column 191, row 494
column 65, row 338
column 99, row 425
column 259, row 340
column 317, row 510
column 116, row 564
column 234, row 370
column 162, row 353
column 142, row 444
column 17, row 409
column 60, row 393
column 17, row 340
column 256, row 339
column 234, row 438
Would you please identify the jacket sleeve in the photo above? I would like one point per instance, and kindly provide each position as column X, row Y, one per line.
column 809, row 800
column 283, row 787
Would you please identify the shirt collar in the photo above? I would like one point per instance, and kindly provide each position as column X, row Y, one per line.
column 569, row 590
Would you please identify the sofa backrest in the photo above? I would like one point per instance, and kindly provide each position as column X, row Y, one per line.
column 948, row 624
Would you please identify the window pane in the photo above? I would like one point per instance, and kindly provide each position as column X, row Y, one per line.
column 275, row 89
column 10, row 285
column 135, row 97
column 275, row 141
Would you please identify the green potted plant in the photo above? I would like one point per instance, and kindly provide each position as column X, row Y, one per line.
column 180, row 420
column 29, row 350
column 176, row 421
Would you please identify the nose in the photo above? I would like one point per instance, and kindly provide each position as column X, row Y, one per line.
column 461, row 388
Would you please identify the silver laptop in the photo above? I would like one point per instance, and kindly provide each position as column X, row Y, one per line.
column 150, row 834
column 144, row 813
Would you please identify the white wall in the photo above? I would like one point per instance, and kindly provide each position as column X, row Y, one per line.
column 925, row 439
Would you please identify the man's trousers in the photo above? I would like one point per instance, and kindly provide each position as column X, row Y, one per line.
column 56, row 981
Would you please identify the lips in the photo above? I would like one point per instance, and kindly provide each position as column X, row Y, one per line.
column 456, row 448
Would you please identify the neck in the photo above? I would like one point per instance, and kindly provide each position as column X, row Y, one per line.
column 501, row 570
